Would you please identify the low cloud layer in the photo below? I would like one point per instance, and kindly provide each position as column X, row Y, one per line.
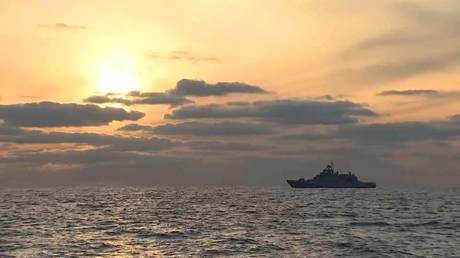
column 289, row 111
column 213, row 129
column 426, row 97
column 386, row 133
column 52, row 114
column 212, row 146
column 12, row 134
column 142, row 98
column 397, row 133
column 408, row 93
column 157, row 159
column 134, row 128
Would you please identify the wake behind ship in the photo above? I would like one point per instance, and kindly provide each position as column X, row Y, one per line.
column 329, row 178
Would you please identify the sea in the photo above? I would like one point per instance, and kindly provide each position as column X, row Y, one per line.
column 229, row 222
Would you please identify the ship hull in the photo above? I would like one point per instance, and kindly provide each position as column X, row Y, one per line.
column 307, row 184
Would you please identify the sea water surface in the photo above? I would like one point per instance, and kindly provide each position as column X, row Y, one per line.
column 229, row 221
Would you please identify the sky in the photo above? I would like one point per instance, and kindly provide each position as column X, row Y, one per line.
column 228, row 92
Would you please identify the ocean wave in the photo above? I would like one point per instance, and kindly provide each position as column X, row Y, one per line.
column 370, row 223
column 166, row 235
column 246, row 222
column 421, row 224
column 240, row 241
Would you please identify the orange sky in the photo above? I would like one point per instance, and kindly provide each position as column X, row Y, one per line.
column 288, row 47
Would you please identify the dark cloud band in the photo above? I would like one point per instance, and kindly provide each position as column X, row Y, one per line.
column 146, row 98
column 52, row 114
column 213, row 129
column 290, row 111
column 408, row 93
column 177, row 96
column 12, row 134
column 199, row 88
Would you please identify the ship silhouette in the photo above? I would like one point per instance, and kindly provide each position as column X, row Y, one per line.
column 329, row 178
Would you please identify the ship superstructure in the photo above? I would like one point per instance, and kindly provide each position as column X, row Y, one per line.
column 330, row 178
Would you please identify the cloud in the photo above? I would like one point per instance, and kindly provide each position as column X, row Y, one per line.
column 9, row 130
column 177, row 96
column 107, row 167
column 135, row 127
column 381, row 133
column 455, row 118
column 197, row 88
column 52, row 114
column 141, row 98
column 211, row 146
column 12, row 134
column 181, row 56
column 86, row 157
column 392, row 39
column 288, row 111
column 213, row 129
column 107, row 99
column 29, row 97
column 397, row 133
column 126, row 160
column 326, row 97
column 408, row 93
column 422, row 26
column 389, row 71
column 305, row 136
column 430, row 97
column 63, row 26
column 426, row 42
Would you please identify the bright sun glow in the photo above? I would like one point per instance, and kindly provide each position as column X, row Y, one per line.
column 117, row 78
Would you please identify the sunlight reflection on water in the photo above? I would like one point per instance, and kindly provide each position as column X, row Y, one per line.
column 229, row 222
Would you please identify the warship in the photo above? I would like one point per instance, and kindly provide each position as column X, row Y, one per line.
column 329, row 178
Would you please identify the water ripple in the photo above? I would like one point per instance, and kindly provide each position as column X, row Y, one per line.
column 238, row 221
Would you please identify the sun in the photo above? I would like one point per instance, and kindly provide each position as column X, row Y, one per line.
column 117, row 78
